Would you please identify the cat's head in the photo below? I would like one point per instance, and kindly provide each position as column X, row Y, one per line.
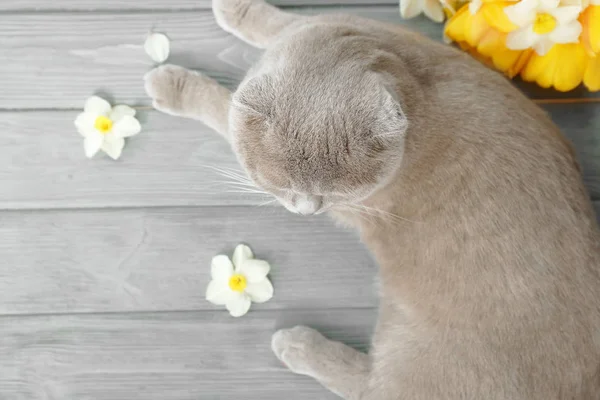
column 316, row 141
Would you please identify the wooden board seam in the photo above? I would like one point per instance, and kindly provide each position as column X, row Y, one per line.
column 216, row 310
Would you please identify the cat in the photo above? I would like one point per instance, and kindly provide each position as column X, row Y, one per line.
column 465, row 192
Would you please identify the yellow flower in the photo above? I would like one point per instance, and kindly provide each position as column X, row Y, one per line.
column 486, row 30
column 483, row 34
column 562, row 67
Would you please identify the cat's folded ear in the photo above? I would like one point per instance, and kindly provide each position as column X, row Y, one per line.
column 255, row 96
column 391, row 122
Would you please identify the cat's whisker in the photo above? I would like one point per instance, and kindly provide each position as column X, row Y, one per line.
column 375, row 213
column 267, row 203
column 246, row 191
column 360, row 213
column 230, row 173
column 387, row 214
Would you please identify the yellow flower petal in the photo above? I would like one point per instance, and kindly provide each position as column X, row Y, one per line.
column 551, row 70
column 476, row 27
column 569, row 74
column 496, row 17
column 518, row 66
column 590, row 37
column 591, row 79
column 455, row 27
column 511, row 62
column 540, row 69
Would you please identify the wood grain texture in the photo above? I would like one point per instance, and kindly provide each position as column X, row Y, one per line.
column 581, row 125
column 44, row 64
column 94, row 5
column 159, row 259
column 58, row 60
column 175, row 356
column 42, row 164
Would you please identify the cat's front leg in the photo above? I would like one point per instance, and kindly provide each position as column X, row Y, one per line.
column 254, row 21
column 178, row 91
column 336, row 366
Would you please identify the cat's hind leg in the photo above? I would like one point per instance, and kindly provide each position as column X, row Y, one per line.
column 254, row 21
column 339, row 368
column 178, row 91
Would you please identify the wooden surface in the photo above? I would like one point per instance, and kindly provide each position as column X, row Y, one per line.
column 121, row 5
column 104, row 264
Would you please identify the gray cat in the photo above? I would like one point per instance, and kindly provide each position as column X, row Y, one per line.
column 464, row 190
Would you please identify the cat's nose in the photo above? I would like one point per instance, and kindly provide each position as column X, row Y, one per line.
column 308, row 205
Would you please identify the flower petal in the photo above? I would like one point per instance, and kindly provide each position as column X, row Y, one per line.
column 97, row 105
column 240, row 254
column 410, row 8
column 260, row 292
column 569, row 75
column 456, row 25
column 221, row 268
column 591, row 32
column 126, row 126
column 522, row 39
column 568, row 33
column 254, row 270
column 496, row 17
column 565, row 15
column 522, row 13
column 92, row 144
column 157, row 47
column 476, row 29
column 543, row 46
column 238, row 304
column 218, row 292
column 549, row 4
column 434, row 10
column 540, row 69
column 85, row 123
column 474, row 6
column 120, row 111
column 591, row 78
column 113, row 145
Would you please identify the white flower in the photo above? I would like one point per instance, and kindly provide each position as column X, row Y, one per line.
column 105, row 127
column 541, row 24
column 157, row 47
column 237, row 284
column 432, row 8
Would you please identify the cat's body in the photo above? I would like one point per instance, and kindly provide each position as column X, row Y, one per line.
column 488, row 247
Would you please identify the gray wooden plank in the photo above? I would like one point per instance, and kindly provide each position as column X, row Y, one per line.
column 168, row 356
column 43, row 64
column 580, row 123
column 89, row 5
column 42, row 164
column 159, row 259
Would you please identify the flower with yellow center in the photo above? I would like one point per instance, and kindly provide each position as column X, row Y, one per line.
column 105, row 127
column 239, row 283
column 541, row 24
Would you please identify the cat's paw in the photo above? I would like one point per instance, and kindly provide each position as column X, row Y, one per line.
column 165, row 85
column 229, row 13
column 299, row 348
